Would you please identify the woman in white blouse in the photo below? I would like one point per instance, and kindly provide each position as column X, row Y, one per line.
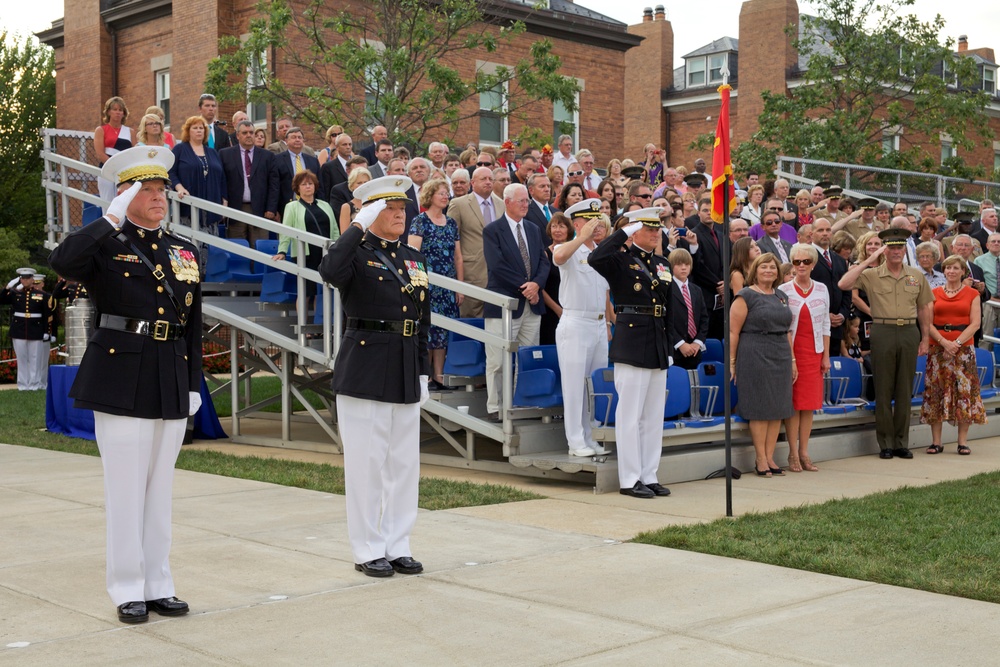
column 809, row 302
column 755, row 198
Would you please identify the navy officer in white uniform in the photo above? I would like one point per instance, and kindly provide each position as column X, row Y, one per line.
column 141, row 373
column 582, row 333
column 380, row 375
column 640, row 285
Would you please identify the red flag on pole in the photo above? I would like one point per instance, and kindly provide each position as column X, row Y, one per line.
column 722, row 166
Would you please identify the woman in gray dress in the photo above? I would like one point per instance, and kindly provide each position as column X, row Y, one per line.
column 761, row 352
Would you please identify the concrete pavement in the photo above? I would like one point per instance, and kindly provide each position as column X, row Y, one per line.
column 268, row 573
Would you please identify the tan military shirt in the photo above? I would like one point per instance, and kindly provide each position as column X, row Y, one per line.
column 895, row 298
column 857, row 227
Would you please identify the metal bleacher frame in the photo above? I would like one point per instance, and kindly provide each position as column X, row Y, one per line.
column 274, row 339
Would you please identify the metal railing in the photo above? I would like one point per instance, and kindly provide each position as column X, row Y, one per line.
column 68, row 182
column 890, row 185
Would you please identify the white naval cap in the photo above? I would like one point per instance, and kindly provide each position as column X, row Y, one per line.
column 26, row 272
column 138, row 164
column 588, row 208
column 386, row 188
column 647, row 216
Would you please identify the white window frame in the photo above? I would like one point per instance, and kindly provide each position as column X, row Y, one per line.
column 162, row 85
column 256, row 112
column 990, row 79
column 724, row 65
column 500, row 113
column 689, row 72
column 575, row 120
column 948, row 149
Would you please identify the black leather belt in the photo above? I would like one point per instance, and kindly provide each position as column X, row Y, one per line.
column 158, row 330
column 404, row 327
column 901, row 322
column 655, row 311
column 951, row 327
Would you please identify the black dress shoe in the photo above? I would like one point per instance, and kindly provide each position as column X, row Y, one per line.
column 133, row 612
column 168, row 606
column 493, row 417
column 379, row 567
column 658, row 489
column 902, row 453
column 406, row 565
column 885, row 454
column 639, row 490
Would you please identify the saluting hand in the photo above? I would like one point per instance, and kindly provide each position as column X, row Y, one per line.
column 119, row 205
column 587, row 230
column 367, row 215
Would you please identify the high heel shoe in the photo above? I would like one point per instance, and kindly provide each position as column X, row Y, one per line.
column 807, row 464
column 793, row 463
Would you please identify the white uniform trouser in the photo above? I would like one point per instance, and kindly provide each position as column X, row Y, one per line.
column 642, row 393
column 32, row 363
column 525, row 330
column 381, row 475
column 138, row 457
column 582, row 345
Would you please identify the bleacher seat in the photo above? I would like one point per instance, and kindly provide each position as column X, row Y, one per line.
column 846, row 386
column 277, row 287
column 918, row 381
column 713, row 350
column 603, row 397
column 538, row 380
column 985, row 366
column 268, row 247
column 706, row 389
column 239, row 266
column 466, row 357
column 217, row 267
column 678, row 401
column 91, row 212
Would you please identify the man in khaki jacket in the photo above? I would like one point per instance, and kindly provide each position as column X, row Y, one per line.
column 469, row 212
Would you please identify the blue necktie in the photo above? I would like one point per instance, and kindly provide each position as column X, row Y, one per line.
column 211, row 137
column 548, row 213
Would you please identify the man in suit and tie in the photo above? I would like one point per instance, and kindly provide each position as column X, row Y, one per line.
column 370, row 152
column 771, row 242
column 216, row 137
column 708, row 272
column 252, row 182
column 829, row 269
column 516, row 266
column 291, row 162
column 334, row 170
column 688, row 325
column 472, row 213
column 527, row 167
column 281, row 128
column 540, row 190
column 381, row 154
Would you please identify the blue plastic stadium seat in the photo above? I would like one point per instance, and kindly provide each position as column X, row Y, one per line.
column 918, row 381
column 707, row 385
column 538, row 380
column 217, row 267
column 603, row 396
column 277, row 287
column 91, row 212
column 846, row 386
column 678, row 401
column 268, row 247
column 713, row 350
column 985, row 365
column 466, row 357
column 239, row 266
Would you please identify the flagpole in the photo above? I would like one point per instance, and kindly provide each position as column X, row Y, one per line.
column 726, row 300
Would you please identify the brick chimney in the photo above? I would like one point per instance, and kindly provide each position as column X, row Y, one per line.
column 766, row 58
column 963, row 43
column 659, row 13
column 649, row 68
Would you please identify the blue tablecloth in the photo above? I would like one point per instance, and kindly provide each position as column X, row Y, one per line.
column 62, row 417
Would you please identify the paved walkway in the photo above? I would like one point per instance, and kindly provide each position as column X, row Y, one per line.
column 268, row 573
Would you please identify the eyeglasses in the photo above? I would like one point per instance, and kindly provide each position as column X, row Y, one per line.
column 148, row 123
column 484, row 164
column 801, row 262
column 575, row 173
column 768, row 223
column 773, row 208
column 649, row 196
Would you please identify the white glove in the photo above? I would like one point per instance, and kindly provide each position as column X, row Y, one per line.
column 424, row 391
column 46, row 337
column 119, row 205
column 367, row 215
column 14, row 283
column 631, row 228
column 194, row 399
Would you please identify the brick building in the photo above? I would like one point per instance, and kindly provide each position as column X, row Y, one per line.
column 674, row 106
column 156, row 52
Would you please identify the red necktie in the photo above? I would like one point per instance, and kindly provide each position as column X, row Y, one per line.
column 715, row 238
column 246, row 163
column 692, row 329
column 826, row 256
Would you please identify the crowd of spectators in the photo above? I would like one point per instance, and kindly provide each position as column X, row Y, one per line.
column 789, row 250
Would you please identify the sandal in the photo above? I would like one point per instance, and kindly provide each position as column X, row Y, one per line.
column 964, row 450
column 807, row 464
column 777, row 472
column 935, row 449
column 765, row 473
column 793, row 463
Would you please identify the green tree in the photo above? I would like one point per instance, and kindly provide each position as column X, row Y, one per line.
column 872, row 69
column 27, row 104
column 384, row 62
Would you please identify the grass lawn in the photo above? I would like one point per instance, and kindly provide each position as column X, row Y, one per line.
column 23, row 415
column 261, row 387
column 943, row 538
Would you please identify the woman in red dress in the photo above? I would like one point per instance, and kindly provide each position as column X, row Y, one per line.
column 809, row 302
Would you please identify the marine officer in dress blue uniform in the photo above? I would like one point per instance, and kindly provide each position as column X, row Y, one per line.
column 29, row 329
column 380, row 375
column 640, row 287
column 141, row 372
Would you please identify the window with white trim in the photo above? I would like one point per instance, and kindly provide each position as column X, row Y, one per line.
column 716, row 63
column 565, row 121
column 990, row 80
column 163, row 93
column 257, row 111
column 695, row 72
column 493, row 115
column 948, row 149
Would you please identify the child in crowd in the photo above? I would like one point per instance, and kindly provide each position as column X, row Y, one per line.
column 850, row 344
column 786, row 272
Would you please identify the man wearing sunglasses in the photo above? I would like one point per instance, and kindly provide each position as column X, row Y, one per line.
column 771, row 241
column 785, row 231
column 830, row 268
column 576, row 174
